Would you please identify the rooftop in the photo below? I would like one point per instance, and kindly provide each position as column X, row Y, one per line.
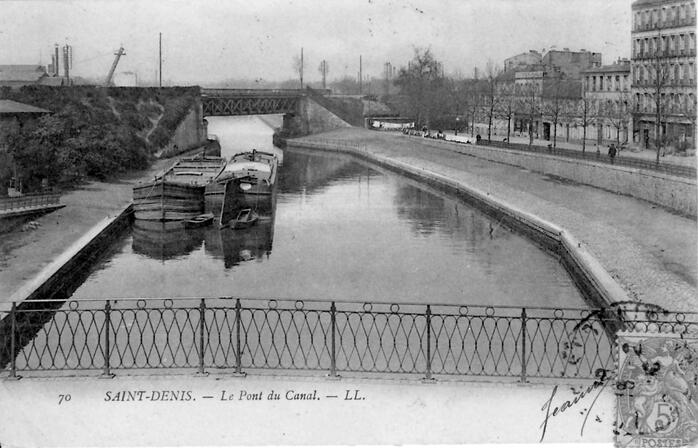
column 9, row 107
column 611, row 68
column 21, row 73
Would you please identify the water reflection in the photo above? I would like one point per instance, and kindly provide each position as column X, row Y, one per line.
column 164, row 240
column 310, row 171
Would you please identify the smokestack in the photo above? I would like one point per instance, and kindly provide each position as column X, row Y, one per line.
column 66, row 64
column 56, row 70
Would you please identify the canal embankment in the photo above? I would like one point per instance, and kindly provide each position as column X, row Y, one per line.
column 26, row 256
column 612, row 240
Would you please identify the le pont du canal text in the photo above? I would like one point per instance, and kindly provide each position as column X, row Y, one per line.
column 226, row 395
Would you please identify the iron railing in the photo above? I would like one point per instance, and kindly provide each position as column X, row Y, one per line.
column 30, row 201
column 240, row 335
column 664, row 167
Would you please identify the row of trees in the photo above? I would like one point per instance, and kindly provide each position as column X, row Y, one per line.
column 435, row 100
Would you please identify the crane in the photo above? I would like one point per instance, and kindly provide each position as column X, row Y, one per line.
column 120, row 52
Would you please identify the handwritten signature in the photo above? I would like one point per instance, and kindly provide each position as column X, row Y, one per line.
column 551, row 411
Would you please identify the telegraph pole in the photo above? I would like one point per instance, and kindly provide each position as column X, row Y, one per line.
column 160, row 58
column 361, row 79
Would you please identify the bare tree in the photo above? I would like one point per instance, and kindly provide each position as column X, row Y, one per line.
column 619, row 113
column 506, row 105
column 553, row 104
column 324, row 68
column 529, row 104
column 587, row 115
column 490, row 95
column 473, row 101
column 659, row 76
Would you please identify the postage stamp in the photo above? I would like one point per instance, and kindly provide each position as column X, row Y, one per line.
column 657, row 383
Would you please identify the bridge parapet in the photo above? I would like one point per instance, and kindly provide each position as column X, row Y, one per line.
column 239, row 93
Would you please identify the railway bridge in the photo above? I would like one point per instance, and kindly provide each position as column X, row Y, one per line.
column 305, row 110
column 225, row 102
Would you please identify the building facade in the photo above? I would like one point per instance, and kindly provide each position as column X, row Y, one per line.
column 607, row 88
column 571, row 63
column 664, row 72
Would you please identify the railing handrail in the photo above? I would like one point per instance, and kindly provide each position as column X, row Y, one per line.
column 666, row 167
column 395, row 306
column 32, row 199
column 198, row 336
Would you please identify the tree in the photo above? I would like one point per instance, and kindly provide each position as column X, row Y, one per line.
column 529, row 104
column 659, row 76
column 491, row 96
column 553, row 105
column 506, row 104
column 324, row 69
column 587, row 115
column 420, row 83
column 618, row 113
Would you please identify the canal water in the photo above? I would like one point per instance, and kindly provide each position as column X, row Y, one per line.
column 338, row 229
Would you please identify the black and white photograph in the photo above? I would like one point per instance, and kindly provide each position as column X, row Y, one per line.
column 348, row 222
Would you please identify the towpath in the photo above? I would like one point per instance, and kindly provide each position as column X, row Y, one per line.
column 649, row 251
column 24, row 254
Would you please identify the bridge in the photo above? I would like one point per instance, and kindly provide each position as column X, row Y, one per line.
column 225, row 102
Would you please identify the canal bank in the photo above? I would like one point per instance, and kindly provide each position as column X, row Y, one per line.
column 628, row 237
column 26, row 256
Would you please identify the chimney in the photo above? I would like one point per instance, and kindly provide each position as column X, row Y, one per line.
column 56, row 71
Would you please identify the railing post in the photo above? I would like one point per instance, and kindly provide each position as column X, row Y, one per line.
column 106, row 351
column 238, row 347
column 428, row 317
column 333, row 351
column 523, row 345
column 202, row 330
column 13, row 342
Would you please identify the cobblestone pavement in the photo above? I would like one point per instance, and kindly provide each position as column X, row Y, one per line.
column 648, row 250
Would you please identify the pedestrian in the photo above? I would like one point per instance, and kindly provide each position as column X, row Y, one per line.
column 612, row 152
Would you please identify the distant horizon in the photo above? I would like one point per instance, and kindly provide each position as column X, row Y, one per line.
column 211, row 42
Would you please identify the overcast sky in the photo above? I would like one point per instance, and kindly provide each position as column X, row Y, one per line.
column 205, row 41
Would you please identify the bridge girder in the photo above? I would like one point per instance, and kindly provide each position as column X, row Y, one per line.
column 249, row 105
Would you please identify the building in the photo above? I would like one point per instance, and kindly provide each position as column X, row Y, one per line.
column 608, row 90
column 571, row 63
column 663, row 66
column 532, row 57
column 21, row 75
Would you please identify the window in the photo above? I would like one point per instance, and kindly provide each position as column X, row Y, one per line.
column 676, row 73
column 617, row 82
column 691, row 72
column 600, row 82
column 680, row 72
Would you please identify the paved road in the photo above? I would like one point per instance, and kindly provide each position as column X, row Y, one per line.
column 648, row 250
